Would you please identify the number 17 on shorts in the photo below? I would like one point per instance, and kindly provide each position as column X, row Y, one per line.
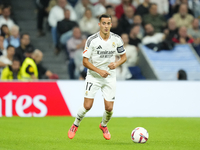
column 108, row 89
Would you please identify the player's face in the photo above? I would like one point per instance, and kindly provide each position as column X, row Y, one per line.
column 105, row 25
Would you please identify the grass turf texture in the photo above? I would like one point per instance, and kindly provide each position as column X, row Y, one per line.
column 50, row 133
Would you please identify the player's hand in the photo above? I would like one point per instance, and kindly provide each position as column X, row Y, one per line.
column 104, row 73
column 112, row 65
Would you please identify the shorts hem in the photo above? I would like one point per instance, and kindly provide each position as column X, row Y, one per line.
column 110, row 100
column 88, row 97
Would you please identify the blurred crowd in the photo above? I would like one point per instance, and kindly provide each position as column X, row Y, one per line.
column 158, row 24
column 19, row 59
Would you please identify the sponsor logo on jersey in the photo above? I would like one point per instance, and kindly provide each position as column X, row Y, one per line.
column 99, row 47
column 105, row 54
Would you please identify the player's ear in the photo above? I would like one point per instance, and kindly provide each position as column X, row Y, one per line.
column 99, row 24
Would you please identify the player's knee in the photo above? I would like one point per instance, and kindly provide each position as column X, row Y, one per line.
column 109, row 108
column 88, row 107
column 88, row 103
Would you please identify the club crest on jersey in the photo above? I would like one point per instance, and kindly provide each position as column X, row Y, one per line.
column 113, row 44
column 86, row 93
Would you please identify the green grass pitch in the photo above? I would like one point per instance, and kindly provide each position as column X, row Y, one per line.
column 50, row 133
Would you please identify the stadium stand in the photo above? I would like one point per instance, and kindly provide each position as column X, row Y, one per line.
column 32, row 17
column 26, row 18
column 164, row 65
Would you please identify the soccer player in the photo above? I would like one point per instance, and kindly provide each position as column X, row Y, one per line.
column 99, row 58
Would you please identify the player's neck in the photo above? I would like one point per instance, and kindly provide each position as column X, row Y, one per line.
column 105, row 36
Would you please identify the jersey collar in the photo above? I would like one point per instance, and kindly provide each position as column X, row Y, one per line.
column 101, row 37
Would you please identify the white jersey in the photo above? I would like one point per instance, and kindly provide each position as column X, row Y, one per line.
column 101, row 53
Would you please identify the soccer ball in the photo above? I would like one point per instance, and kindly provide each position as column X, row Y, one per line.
column 139, row 135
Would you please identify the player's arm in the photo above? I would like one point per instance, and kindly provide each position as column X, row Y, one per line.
column 120, row 51
column 122, row 59
column 90, row 66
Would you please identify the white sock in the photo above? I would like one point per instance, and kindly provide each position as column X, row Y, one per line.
column 80, row 115
column 106, row 117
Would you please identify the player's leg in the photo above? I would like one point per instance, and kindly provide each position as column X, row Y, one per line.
column 108, row 112
column 87, row 105
column 90, row 91
column 91, row 88
column 80, row 115
column 105, row 119
column 109, row 97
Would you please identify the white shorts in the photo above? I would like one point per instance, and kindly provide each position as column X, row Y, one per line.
column 92, row 85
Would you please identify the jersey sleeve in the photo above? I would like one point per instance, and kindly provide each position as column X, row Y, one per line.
column 120, row 46
column 88, row 48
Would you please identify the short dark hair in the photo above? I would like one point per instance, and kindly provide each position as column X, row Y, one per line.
column 4, row 25
column 182, row 75
column 10, row 46
column 135, row 25
column 2, row 33
column 6, row 6
column 109, row 6
column 152, row 5
column 15, row 58
column 148, row 24
column 105, row 16
column 2, row 36
column 22, row 35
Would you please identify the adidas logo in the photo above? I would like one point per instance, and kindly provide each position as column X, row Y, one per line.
column 99, row 47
